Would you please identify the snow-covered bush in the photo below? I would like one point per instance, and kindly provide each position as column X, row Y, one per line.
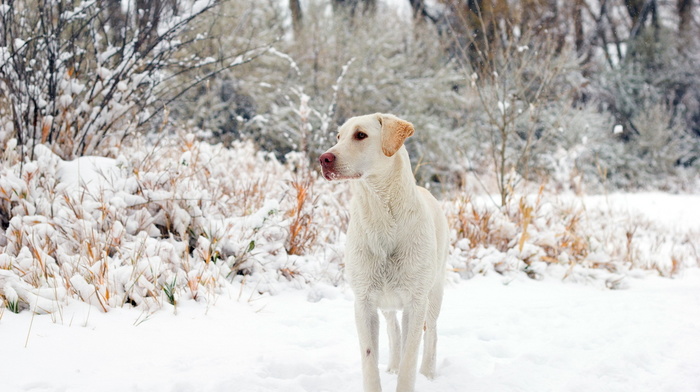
column 652, row 141
column 158, row 223
column 660, row 155
column 521, row 93
column 565, row 236
column 181, row 219
column 222, row 105
column 80, row 74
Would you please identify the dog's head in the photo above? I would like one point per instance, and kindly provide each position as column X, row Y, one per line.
column 365, row 143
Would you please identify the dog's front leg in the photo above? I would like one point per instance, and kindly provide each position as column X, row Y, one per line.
column 392, row 326
column 367, row 320
column 413, row 320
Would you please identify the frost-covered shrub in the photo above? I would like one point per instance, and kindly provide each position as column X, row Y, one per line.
column 544, row 234
column 158, row 224
column 221, row 106
column 181, row 219
column 658, row 155
column 653, row 138
column 80, row 74
column 521, row 95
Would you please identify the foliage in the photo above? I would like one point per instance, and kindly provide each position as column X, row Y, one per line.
column 335, row 67
column 652, row 96
column 161, row 223
column 170, row 223
column 78, row 75
column 522, row 89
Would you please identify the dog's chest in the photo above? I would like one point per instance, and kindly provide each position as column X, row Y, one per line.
column 388, row 252
column 385, row 269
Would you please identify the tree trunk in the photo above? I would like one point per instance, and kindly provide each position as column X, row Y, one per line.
column 685, row 16
column 370, row 6
column 639, row 11
column 295, row 8
column 634, row 9
column 349, row 6
column 418, row 7
column 579, row 38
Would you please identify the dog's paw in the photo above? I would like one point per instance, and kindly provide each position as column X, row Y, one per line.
column 392, row 369
column 428, row 373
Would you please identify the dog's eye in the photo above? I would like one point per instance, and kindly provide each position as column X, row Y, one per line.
column 360, row 136
column 337, row 137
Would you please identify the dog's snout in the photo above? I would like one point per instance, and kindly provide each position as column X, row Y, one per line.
column 327, row 159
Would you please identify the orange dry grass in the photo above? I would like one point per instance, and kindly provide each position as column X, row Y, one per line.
column 481, row 227
column 251, row 195
column 572, row 241
column 472, row 224
column 302, row 231
column 526, row 217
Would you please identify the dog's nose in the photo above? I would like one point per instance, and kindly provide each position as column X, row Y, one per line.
column 327, row 159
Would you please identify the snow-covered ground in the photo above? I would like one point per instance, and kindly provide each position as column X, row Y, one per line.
column 494, row 335
column 671, row 210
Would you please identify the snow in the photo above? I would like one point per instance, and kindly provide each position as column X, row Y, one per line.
column 521, row 336
column 90, row 172
column 676, row 212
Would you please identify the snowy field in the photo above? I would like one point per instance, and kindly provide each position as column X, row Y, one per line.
column 494, row 335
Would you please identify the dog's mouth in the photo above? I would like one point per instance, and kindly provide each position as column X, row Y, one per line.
column 332, row 175
column 329, row 175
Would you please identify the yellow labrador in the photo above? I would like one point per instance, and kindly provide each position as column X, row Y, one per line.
column 397, row 244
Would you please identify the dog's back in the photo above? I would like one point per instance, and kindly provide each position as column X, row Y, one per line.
column 442, row 234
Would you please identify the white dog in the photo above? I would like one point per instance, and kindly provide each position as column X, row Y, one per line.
column 397, row 243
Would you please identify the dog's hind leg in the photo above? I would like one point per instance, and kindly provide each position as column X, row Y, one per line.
column 427, row 367
column 413, row 321
column 392, row 326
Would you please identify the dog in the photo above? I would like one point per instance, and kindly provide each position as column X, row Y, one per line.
column 397, row 245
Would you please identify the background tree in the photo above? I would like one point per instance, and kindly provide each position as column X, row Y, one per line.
column 297, row 15
column 352, row 6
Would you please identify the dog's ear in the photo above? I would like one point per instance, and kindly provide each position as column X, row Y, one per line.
column 394, row 132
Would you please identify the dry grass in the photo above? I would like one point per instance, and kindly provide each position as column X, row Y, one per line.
column 537, row 232
column 178, row 226
column 572, row 239
column 471, row 223
column 302, row 229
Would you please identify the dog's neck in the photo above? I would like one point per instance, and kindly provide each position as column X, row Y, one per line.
column 391, row 189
